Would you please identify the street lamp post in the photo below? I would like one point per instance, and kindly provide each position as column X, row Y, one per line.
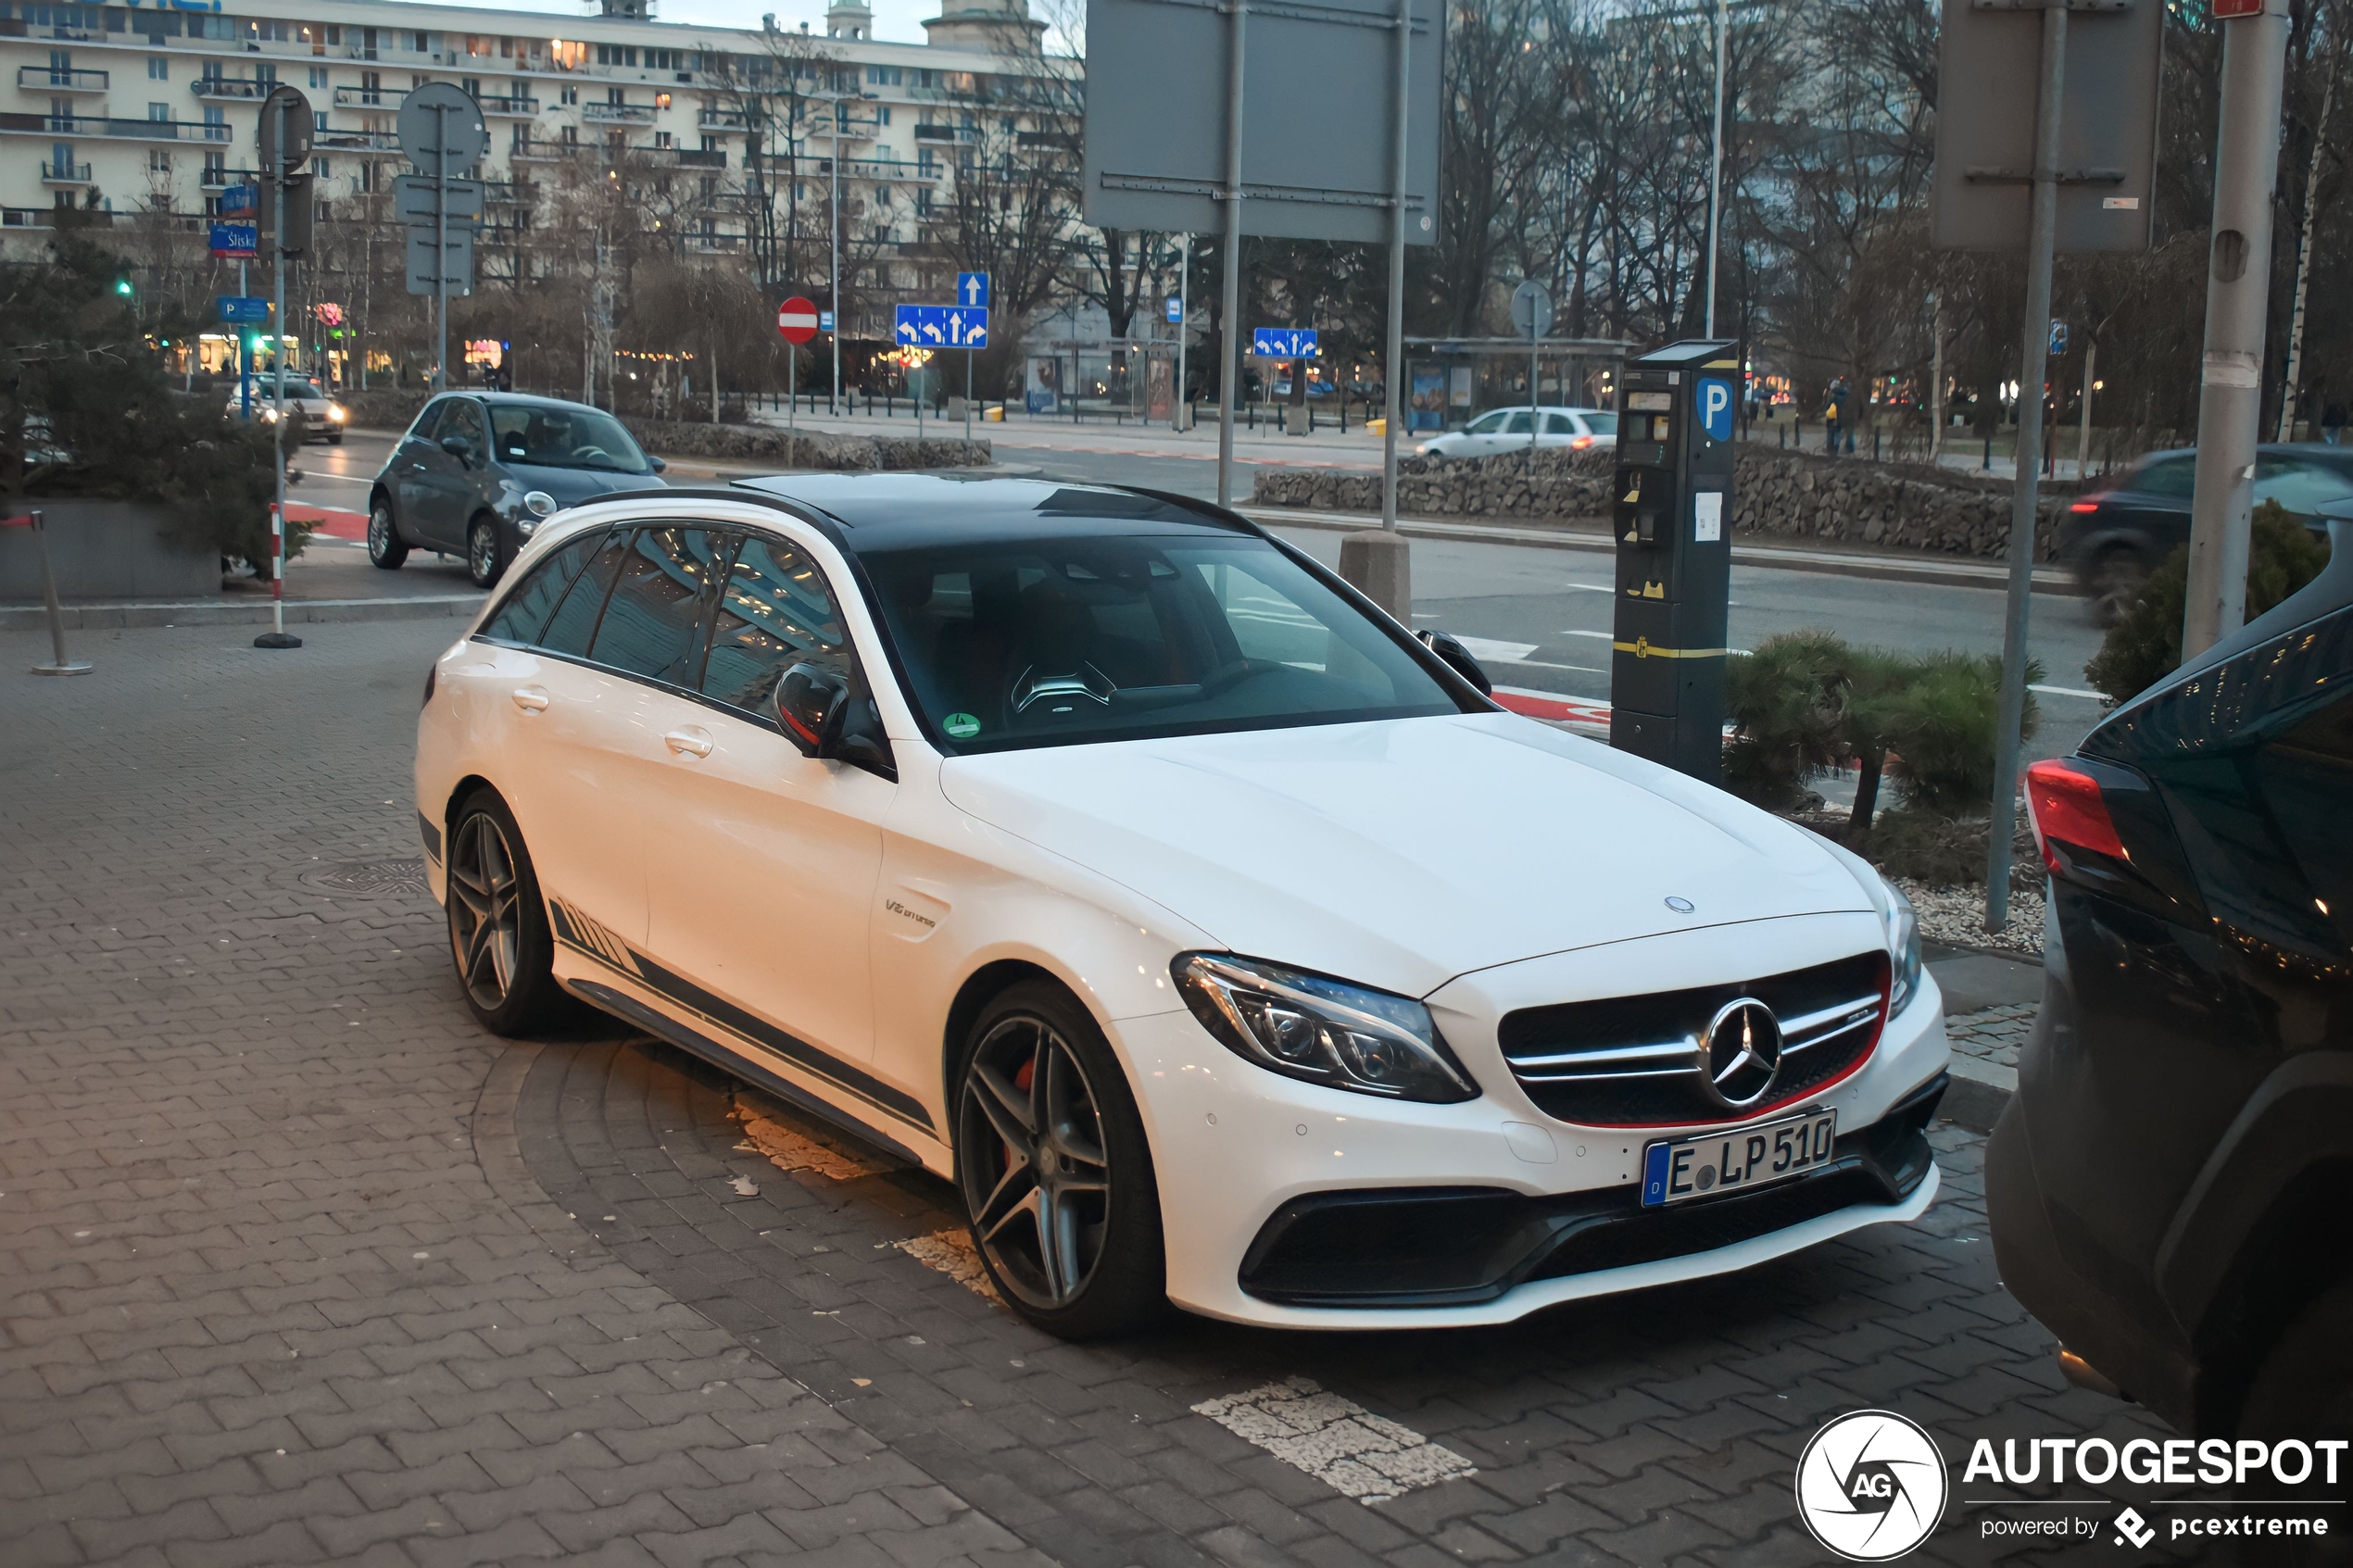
column 838, row 127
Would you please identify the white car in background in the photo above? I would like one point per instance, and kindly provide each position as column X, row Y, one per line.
column 1506, row 430
column 322, row 417
column 1112, row 860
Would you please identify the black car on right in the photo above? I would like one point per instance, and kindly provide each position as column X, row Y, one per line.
column 2170, row 1189
column 2114, row 536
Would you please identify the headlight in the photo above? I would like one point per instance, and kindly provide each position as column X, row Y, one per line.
column 1902, row 948
column 538, row 503
column 270, row 416
column 334, row 412
column 1322, row 1031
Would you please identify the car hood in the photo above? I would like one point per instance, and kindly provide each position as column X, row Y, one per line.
column 1403, row 853
column 572, row 486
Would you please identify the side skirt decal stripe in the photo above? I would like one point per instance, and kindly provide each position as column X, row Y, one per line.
column 632, row 1011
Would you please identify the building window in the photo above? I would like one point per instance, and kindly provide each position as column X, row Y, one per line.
column 420, row 42
column 616, row 97
column 265, row 71
column 319, row 166
column 710, row 144
column 568, row 95
column 572, row 135
column 922, row 204
column 883, row 76
column 472, row 84
column 158, row 69
column 160, row 112
column 662, row 100
column 319, row 78
column 662, row 138
column 882, row 114
column 158, row 161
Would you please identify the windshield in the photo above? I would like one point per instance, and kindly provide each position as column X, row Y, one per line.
column 563, row 438
column 1016, row 643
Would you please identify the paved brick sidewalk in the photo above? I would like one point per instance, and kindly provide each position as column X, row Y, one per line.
column 296, row 1265
column 1993, row 1035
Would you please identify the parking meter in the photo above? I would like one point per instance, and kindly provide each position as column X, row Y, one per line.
column 1671, row 511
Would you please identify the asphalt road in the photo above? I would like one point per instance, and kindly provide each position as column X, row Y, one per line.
column 1538, row 618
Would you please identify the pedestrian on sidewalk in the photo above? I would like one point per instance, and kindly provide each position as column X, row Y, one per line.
column 1835, row 415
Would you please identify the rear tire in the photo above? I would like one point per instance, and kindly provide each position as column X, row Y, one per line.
column 499, row 940
column 2303, row 1390
column 2115, row 587
column 385, row 548
column 1055, row 1171
column 485, row 553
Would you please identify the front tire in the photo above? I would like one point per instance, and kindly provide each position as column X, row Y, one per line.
column 498, row 935
column 1056, row 1174
column 485, row 554
column 2115, row 585
column 385, row 548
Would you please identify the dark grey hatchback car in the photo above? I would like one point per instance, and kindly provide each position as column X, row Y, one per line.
column 476, row 474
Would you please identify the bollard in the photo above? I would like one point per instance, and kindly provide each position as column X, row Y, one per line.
column 61, row 665
column 276, row 636
column 1989, row 454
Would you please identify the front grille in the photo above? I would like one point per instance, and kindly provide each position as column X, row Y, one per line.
column 1640, row 1061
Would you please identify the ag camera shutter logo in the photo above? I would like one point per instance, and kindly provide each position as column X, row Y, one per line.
column 1871, row 1485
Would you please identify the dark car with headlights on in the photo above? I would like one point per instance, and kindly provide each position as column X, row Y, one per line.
column 476, row 474
column 2113, row 537
column 2170, row 1189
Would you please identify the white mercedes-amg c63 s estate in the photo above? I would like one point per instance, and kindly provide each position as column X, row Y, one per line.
column 1214, row 935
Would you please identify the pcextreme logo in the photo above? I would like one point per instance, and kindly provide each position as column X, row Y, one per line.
column 1871, row 1485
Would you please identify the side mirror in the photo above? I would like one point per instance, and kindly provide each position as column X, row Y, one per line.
column 657, row 464
column 1458, row 657
column 458, row 446
column 810, row 702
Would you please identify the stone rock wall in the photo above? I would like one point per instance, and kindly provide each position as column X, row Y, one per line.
column 810, row 449
column 1785, row 494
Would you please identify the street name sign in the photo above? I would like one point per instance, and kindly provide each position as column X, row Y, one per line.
column 243, row 309
column 972, row 288
column 240, row 242
column 797, row 320
column 238, row 199
column 941, row 326
column 1284, row 342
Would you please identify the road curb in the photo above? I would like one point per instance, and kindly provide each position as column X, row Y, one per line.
column 1954, row 574
column 241, row 613
column 1977, row 1093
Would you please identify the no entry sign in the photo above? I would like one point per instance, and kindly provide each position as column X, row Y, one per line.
column 797, row 320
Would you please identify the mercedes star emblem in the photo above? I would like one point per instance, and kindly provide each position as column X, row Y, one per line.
column 1742, row 1053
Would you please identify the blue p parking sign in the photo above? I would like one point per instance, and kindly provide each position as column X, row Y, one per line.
column 1715, row 395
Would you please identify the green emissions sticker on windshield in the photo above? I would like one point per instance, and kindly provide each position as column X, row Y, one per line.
column 960, row 726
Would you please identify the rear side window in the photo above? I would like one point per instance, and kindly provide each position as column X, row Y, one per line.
column 1600, row 423
column 426, row 422
column 574, row 625
column 525, row 613
column 2168, row 476
column 2301, row 487
column 1559, row 424
column 775, row 613
column 653, row 624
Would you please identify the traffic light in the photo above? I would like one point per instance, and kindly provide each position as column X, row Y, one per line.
column 122, row 287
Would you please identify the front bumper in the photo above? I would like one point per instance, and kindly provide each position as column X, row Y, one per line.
column 1237, row 1147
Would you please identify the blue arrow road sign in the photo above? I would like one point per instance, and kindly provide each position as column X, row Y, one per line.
column 244, row 307
column 241, row 241
column 972, row 288
column 1283, row 342
column 942, row 326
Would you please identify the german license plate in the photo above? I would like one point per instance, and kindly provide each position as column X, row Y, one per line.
column 1676, row 1170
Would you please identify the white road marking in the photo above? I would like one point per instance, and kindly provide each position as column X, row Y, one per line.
column 952, row 1253
column 1338, row 1441
column 1488, row 648
column 2069, row 691
column 1605, row 637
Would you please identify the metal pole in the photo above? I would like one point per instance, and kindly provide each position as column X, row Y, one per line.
column 2084, row 436
column 1184, row 320
column 792, row 402
column 1534, row 417
column 440, row 247
column 2247, row 159
column 60, row 665
column 1230, row 344
column 1935, row 376
column 2303, row 262
column 244, row 355
column 1716, row 160
column 833, row 284
column 1392, row 401
column 2033, row 365
column 968, row 392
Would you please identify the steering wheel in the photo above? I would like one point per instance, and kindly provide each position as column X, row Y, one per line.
column 583, row 453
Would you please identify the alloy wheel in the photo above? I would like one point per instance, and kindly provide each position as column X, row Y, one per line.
column 380, row 533
column 485, row 911
column 483, row 553
column 1036, row 1180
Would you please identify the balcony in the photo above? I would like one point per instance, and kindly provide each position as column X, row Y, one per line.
column 715, row 241
column 543, row 152
column 618, row 114
column 231, row 87
column 720, row 119
column 65, row 173
column 125, row 130
column 513, row 108
column 221, row 178
column 44, row 79
column 373, row 143
column 889, row 169
column 370, row 97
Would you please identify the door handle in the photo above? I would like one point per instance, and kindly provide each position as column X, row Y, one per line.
column 531, row 699
column 692, row 741
column 416, row 468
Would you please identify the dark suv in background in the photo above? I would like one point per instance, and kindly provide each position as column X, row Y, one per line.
column 2171, row 1187
column 2114, row 538
column 476, row 474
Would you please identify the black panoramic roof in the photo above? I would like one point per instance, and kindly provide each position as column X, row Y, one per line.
column 880, row 512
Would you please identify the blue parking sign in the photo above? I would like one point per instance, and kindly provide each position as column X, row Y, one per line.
column 1715, row 395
